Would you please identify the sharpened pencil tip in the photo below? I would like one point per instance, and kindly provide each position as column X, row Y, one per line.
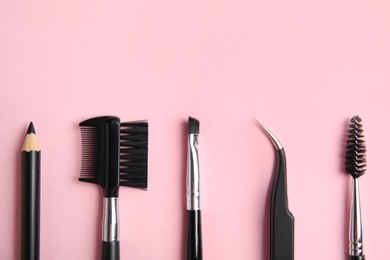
column 31, row 129
column 31, row 140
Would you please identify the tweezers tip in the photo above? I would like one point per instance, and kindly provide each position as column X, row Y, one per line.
column 270, row 135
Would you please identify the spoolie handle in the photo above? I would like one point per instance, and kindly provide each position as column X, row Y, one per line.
column 194, row 235
column 110, row 250
column 357, row 257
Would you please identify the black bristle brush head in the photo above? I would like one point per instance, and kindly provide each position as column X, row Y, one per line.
column 114, row 153
column 193, row 126
column 134, row 154
column 355, row 158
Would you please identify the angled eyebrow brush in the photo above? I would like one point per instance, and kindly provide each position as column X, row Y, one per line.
column 355, row 164
column 113, row 154
column 282, row 220
column 194, row 229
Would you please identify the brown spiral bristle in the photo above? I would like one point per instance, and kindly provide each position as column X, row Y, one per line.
column 355, row 159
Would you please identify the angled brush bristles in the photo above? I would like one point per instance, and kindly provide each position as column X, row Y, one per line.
column 134, row 154
column 355, row 159
column 193, row 126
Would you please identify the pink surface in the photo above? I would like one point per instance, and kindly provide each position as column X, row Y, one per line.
column 303, row 68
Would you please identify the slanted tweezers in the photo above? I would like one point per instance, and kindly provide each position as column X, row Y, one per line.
column 282, row 220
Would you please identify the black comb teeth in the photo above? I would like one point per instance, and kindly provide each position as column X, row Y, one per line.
column 114, row 153
column 90, row 154
column 355, row 159
column 134, row 154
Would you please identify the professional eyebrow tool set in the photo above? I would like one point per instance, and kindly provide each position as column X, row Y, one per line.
column 115, row 154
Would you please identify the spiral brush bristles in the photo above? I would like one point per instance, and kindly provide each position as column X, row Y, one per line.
column 355, row 159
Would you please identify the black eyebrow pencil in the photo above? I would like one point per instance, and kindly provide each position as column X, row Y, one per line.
column 31, row 185
column 282, row 220
column 194, row 228
column 355, row 164
column 113, row 154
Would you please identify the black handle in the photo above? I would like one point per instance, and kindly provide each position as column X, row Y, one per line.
column 356, row 257
column 282, row 221
column 30, row 226
column 110, row 250
column 194, row 236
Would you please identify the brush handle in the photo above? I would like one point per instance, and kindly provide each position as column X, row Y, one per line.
column 355, row 225
column 110, row 229
column 356, row 257
column 110, row 250
column 194, row 235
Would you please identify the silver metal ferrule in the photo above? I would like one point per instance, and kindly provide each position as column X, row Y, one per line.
column 193, row 183
column 110, row 220
column 355, row 225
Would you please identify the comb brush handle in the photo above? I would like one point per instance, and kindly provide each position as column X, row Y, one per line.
column 110, row 229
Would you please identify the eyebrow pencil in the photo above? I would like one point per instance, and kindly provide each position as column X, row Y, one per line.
column 31, row 178
column 194, row 229
column 113, row 154
column 282, row 220
column 355, row 164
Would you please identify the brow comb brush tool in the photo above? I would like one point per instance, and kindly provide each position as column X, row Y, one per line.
column 355, row 164
column 113, row 154
column 282, row 220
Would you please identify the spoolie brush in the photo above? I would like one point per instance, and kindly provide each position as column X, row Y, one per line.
column 113, row 154
column 355, row 164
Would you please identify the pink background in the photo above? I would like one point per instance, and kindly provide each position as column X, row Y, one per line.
column 303, row 68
